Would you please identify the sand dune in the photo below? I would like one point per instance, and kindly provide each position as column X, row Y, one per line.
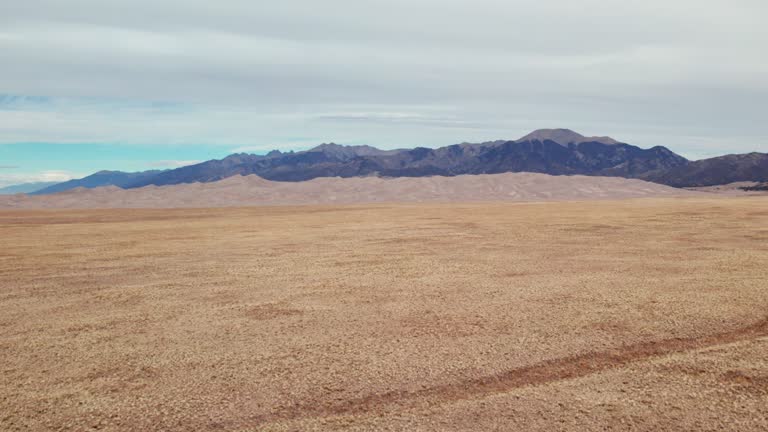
column 253, row 190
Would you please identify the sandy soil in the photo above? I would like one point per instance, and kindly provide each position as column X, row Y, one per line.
column 642, row 314
column 253, row 190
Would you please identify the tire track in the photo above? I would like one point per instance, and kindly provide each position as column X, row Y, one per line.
column 549, row 371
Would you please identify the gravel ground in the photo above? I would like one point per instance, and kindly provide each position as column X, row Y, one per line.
column 642, row 314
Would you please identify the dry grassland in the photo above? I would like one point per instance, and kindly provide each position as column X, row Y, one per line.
column 632, row 315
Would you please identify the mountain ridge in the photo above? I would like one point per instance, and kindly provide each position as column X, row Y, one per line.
column 98, row 179
column 332, row 160
column 719, row 170
column 25, row 187
column 547, row 151
column 565, row 137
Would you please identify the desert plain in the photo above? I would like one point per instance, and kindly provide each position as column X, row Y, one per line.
column 633, row 314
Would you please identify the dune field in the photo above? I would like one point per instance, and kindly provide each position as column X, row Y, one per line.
column 237, row 191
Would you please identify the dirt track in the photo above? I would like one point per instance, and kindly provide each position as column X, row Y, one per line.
column 644, row 315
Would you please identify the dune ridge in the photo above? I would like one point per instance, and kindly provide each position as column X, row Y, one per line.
column 253, row 190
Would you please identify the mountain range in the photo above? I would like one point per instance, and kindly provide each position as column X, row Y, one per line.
column 25, row 188
column 99, row 179
column 547, row 151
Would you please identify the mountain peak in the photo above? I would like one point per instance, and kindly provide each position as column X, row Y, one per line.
column 565, row 137
column 348, row 151
column 340, row 147
column 325, row 146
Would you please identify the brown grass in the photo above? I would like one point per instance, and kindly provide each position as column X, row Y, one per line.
column 642, row 315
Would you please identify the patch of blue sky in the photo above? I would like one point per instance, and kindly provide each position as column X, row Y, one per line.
column 91, row 157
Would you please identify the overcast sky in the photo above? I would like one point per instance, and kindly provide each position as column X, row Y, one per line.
column 140, row 84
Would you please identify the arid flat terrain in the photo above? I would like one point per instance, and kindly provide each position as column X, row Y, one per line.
column 645, row 314
column 253, row 190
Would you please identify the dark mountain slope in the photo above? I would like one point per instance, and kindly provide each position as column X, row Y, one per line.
column 25, row 188
column 322, row 161
column 548, row 151
column 714, row 171
column 331, row 160
column 101, row 178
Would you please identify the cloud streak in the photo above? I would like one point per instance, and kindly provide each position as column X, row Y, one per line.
column 37, row 177
column 172, row 163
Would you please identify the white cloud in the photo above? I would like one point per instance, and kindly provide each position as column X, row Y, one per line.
column 41, row 176
column 173, row 163
column 689, row 74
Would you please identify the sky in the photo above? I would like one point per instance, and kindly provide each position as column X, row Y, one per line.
column 87, row 85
